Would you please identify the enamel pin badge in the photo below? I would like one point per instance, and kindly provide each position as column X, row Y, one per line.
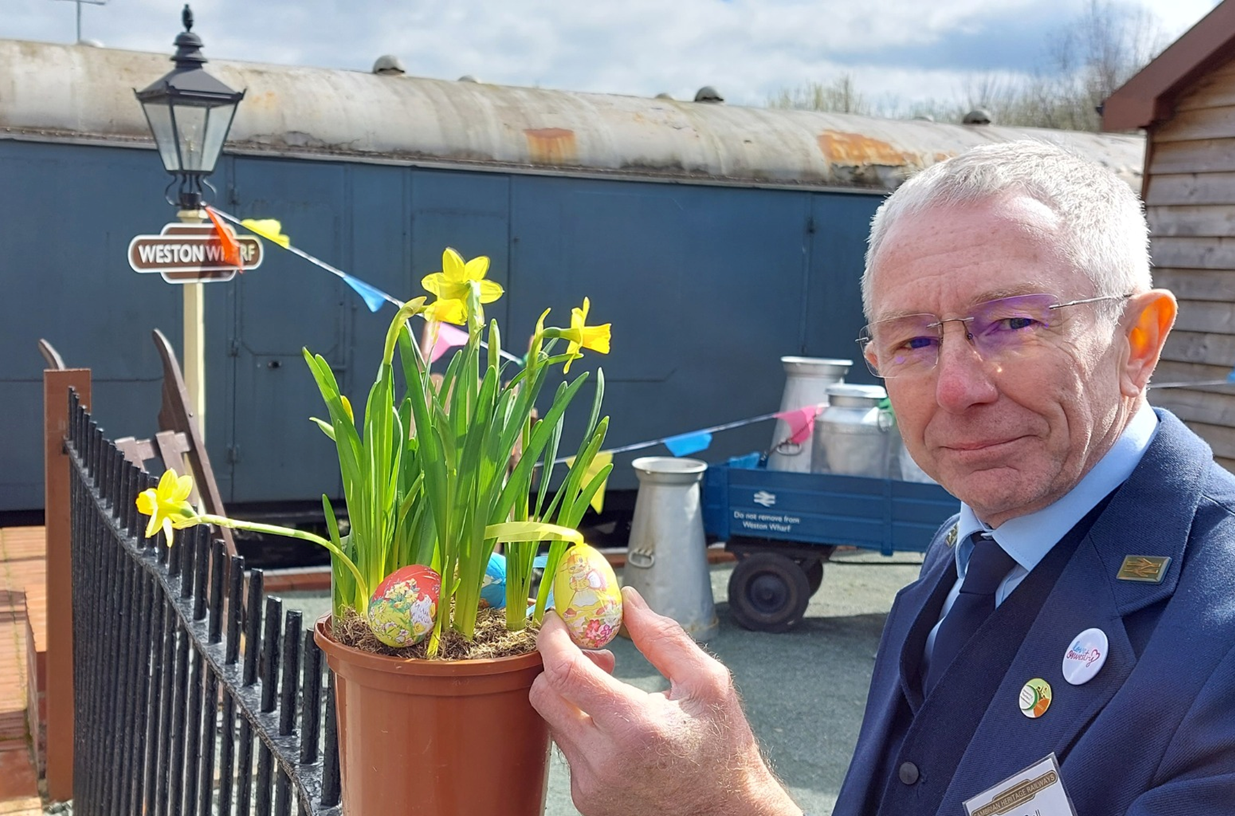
column 1085, row 656
column 1035, row 698
column 1147, row 569
column 949, row 537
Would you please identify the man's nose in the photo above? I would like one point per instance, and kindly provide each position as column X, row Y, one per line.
column 962, row 377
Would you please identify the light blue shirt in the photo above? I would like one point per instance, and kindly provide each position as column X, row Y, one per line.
column 1030, row 537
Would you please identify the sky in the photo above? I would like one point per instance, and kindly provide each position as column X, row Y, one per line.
column 896, row 51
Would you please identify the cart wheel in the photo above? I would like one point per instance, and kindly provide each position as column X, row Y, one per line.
column 768, row 592
column 814, row 574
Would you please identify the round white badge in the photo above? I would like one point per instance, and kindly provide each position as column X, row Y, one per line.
column 1085, row 657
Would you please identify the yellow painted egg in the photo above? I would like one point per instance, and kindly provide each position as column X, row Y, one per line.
column 587, row 597
column 403, row 606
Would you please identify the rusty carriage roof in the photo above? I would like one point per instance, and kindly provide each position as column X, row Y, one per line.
column 84, row 94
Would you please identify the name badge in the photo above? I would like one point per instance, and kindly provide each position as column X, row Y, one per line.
column 1036, row 791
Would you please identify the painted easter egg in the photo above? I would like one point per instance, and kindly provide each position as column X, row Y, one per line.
column 493, row 585
column 403, row 607
column 587, row 597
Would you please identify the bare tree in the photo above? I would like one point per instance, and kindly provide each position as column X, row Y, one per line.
column 841, row 95
column 1086, row 60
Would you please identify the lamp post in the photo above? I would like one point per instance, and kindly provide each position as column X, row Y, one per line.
column 190, row 113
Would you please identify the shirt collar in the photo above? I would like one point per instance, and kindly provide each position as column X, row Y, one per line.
column 1030, row 537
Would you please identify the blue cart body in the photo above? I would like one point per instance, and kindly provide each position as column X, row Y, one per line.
column 887, row 515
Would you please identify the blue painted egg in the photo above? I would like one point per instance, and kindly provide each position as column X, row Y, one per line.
column 493, row 585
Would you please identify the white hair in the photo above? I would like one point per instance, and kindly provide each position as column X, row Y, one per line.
column 1102, row 223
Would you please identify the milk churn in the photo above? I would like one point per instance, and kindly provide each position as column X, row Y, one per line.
column 901, row 464
column 852, row 435
column 667, row 556
column 806, row 383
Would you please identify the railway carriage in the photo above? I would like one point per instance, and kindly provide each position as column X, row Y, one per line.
column 715, row 238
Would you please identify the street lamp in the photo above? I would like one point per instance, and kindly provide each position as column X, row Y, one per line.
column 189, row 113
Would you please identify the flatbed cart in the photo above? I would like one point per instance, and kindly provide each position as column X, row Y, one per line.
column 783, row 525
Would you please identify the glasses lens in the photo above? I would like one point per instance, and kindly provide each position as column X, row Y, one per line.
column 1011, row 325
column 902, row 345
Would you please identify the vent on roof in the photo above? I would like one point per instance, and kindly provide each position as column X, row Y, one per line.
column 977, row 116
column 708, row 94
column 388, row 65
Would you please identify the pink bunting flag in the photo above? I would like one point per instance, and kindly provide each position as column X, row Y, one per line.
column 801, row 422
column 448, row 337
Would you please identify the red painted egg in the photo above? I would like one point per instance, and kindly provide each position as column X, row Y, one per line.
column 402, row 609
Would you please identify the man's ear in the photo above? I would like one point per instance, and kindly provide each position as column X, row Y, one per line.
column 1147, row 321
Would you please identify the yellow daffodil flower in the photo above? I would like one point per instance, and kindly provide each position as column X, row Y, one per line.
column 580, row 335
column 347, row 406
column 452, row 282
column 168, row 505
column 268, row 228
column 447, row 311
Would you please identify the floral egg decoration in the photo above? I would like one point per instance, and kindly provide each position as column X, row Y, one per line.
column 403, row 607
column 587, row 597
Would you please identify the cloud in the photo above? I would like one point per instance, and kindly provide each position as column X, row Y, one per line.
column 748, row 49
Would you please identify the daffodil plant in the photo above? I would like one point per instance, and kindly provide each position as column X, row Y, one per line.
column 442, row 473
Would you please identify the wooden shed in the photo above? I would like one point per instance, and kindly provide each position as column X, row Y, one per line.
column 1185, row 102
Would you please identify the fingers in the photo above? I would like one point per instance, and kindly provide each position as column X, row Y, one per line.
column 667, row 647
column 569, row 726
column 583, row 681
column 603, row 659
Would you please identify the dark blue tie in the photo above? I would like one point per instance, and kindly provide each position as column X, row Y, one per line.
column 988, row 565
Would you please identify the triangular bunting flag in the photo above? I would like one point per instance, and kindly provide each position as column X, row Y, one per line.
column 231, row 247
column 601, row 459
column 268, row 228
column 373, row 297
column 686, row 444
column 801, row 423
column 448, row 337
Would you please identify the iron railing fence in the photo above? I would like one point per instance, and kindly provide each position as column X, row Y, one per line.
column 179, row 678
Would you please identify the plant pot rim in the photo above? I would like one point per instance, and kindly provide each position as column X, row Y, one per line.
column 322, row 634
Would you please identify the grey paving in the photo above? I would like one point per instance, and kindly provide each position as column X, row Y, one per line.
column 804, row 691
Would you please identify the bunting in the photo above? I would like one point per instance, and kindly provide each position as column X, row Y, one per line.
column 686, row 444
column 448, row 337
column 599, row 461
column 231, row 247
column 272, row 230
column 801, row 423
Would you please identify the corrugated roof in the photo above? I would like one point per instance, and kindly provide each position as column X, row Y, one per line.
column 67, row 92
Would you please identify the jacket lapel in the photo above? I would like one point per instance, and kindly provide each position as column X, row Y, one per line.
column 926, row 597
column 894, row 681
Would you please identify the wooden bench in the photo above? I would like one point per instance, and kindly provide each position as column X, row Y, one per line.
column 178, row 443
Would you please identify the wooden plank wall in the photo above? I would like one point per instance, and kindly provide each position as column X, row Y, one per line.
column 1190, row 201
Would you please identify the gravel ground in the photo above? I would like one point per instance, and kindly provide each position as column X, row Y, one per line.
column 804, row 691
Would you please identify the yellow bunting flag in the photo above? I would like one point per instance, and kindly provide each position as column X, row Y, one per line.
column 601, row 459
column 268, row 228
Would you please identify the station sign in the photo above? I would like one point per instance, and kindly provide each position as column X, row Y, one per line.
column 191, row 253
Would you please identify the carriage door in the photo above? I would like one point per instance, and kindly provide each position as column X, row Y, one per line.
column 276, row 454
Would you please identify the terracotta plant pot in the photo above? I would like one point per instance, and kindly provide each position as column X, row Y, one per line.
column 437, row 737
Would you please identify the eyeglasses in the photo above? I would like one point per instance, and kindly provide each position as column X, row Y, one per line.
column 999, row 330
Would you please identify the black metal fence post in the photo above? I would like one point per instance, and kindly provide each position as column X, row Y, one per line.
column 176, row 677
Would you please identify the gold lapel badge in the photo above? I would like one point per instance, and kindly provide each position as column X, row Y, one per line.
column 949, row 538
column 1148, row 569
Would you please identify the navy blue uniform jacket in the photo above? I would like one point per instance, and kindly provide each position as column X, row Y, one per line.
column 1154, row 731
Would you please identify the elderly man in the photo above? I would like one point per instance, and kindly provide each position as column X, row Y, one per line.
column 1070, row 636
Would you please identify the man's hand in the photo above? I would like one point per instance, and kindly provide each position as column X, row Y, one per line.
column 688, row 751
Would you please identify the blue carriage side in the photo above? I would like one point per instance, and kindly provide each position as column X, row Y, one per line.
column 888, row 515
column 783, row 526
